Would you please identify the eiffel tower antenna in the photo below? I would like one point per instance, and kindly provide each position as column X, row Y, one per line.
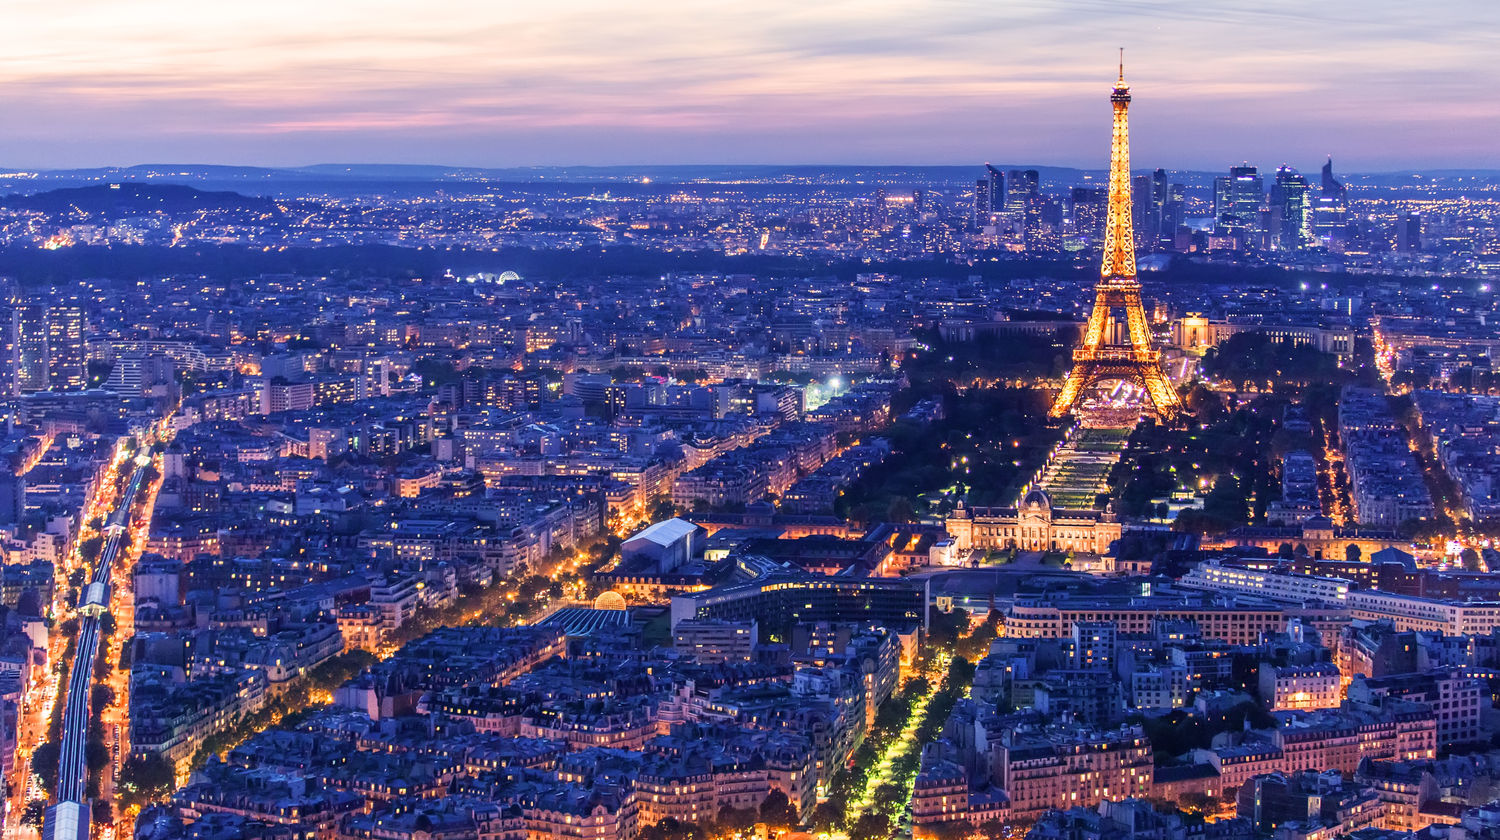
column 1118, row 288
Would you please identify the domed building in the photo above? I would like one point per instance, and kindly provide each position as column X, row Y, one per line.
column 1034, row 525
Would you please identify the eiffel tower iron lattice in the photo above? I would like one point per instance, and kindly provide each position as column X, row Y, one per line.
column 1097, row 358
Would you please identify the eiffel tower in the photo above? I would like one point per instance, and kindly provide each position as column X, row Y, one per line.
column 1097, row 358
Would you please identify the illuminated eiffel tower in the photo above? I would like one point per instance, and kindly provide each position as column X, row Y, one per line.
column 1097, row 358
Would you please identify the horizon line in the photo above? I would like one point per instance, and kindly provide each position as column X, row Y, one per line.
column 20, row 171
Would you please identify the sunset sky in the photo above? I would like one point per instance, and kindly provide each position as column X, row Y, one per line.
column 1379, row 85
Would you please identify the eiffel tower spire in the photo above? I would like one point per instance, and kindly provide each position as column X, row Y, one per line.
column 1096, row 358
column 1119, row 230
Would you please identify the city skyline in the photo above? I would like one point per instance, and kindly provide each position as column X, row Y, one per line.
column 464, row 84
column 609, row 446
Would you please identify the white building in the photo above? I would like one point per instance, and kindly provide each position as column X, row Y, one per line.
column 1409, row 612
column 1282, row 587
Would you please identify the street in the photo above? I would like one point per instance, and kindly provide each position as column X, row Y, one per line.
column 72, row 778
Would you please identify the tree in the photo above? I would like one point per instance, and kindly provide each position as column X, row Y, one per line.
column 977, row 643
column 29, row 603
column 1424, row 530
column 776, row 811
column 871, row 825
column 148, row 778
column 95, row 755
column 1196, row 801
column 828, row 815
column 736, row 819
column 993, row 827
column 35, row 811
column 671, row 829
column 1353, row 553
column 1200, row 522
column 100, row 697
column 945, row 628
column 1176, row 733
column 44, row 763
column 952, row 830
column 1482, row 789
column 88, row 550
column 1204, row 404
column 900, row 510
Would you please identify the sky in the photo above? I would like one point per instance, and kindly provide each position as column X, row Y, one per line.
column 1379, row 85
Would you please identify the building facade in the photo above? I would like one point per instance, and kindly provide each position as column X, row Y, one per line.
column 1034, row 525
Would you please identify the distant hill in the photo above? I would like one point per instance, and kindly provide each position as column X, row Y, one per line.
column 398, row 180
column 128, row 199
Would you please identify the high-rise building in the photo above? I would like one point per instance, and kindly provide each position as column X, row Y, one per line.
column 1409, row 233
column 1022, row 185
column 1330, row 184
column 1222, row 200
column 31, row 341
column 989, row 196
column 1290, row 211
column 1173, row 213
column 12, row 494
column 66, row 359
column 1331, row 210
column 1147, row 211
column 1237, row 202
column 49, row 350
column 1087, row 208
column 10, row 339
column 995, row 180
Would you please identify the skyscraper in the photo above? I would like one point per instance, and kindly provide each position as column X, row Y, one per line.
column 1331, row 210
column 49, row 345
column 1146, row 211
column 1159, row 194
column 1237, row 202
column 1022, row 185
column 1331, row 185
column 12, row 493
column 1087, row 207
column 10, row 338
column 1290, row 205
column 1173, row 213
column 996, row 181
column 989, row 195
column 31, row 354
column 66, row 360
column 1409, row 233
